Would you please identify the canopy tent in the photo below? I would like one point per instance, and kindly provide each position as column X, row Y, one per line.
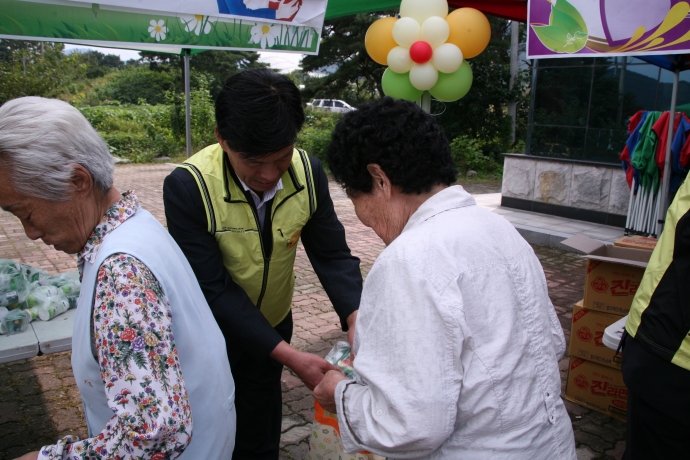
column 173, row 26
column 507, row 9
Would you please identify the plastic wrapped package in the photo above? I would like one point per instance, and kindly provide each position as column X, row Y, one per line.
column 325, row 442
column 34, row 275
column 13, row 286
column 3, row 312
column 69, row 284
column 339, row 356
column 47, row 302
column 15, row 322
column 33, row 311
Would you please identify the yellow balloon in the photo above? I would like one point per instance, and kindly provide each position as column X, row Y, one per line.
column 469, row 30
column 379, row 39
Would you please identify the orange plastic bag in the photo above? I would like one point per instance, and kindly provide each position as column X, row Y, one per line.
column 325, row 442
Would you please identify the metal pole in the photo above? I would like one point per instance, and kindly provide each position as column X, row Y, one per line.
column 514, row 42
column 532, row 98
column 187, row 103
column 664, row 186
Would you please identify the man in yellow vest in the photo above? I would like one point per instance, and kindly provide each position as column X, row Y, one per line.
column 656, row 345
column 237, row 210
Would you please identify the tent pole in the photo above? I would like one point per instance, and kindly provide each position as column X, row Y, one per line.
column 187, row 103
column 628, row 220
column 665, row 183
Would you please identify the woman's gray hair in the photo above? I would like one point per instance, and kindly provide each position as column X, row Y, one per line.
column 40, row 141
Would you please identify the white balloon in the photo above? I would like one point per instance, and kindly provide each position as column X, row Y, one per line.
column 399, row 60
column 424, row 76
column 423, row 9
column 406, row 31
column 435, row 31
column 447, row 58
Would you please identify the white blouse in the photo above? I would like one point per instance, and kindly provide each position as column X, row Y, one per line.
column 457, row 345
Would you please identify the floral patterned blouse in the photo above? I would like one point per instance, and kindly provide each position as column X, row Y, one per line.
column 132, row 336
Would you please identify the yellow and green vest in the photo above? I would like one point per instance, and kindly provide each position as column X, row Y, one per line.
column 659, row 318
column 266, row 275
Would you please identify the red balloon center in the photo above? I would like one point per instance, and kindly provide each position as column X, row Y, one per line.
column 421, row 52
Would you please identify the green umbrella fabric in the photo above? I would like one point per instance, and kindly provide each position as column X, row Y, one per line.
column 643, row 158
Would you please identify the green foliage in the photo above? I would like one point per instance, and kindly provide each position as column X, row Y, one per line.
column 356, row 78
column 34, row 69
column 482, row 113
column 202, row 111
column 133, row 84
column 217, row 66
column 468, row 155
column 138, row 133
column 316, row 133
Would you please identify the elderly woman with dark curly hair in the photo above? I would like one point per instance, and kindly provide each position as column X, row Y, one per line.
column 148, row 357
column 457, row 343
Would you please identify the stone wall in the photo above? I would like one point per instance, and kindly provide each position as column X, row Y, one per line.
column 600, row 188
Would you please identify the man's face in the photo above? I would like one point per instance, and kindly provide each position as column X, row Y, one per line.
column 260, row 174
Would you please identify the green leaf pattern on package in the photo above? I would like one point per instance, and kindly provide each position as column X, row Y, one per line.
column 567, row 30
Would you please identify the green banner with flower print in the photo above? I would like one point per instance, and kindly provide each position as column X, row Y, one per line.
column 99, row 25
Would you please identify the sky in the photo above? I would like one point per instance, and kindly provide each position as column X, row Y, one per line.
column 286, row 62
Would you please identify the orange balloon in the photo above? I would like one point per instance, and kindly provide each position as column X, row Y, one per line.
column 379, row 40
column 469, row 30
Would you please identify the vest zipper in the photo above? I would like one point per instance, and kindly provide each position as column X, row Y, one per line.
column 267, row 260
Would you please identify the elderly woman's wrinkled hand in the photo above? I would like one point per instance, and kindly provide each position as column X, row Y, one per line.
column 324, row 392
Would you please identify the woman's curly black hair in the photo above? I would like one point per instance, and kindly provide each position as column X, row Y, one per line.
column 406, row 142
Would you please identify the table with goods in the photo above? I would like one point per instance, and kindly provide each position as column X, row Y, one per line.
column 36, row 310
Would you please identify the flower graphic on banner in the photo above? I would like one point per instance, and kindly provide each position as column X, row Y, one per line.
column 158, row 29
column 425, row 49
column 197, row 23
column 265, row 34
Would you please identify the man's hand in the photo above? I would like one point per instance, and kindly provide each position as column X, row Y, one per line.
column 29, row 456
column 324, row 392
column 309, row 368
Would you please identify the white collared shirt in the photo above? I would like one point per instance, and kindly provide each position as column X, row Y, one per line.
column 260, row 202
column 457, row 345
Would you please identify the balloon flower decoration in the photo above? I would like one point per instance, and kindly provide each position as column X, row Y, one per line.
column 425, row 50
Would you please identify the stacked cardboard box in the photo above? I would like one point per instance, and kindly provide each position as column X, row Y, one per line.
column 613, row 275
column 636, row 242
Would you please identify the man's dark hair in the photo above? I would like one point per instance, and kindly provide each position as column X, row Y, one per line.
column 259, row 112
column 406, row 142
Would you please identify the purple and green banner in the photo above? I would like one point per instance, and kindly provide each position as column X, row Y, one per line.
column 566, row 28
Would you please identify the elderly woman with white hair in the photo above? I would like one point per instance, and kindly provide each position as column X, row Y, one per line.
column 144, row 341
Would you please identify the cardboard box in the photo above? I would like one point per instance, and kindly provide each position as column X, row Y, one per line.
column 597, row 387
column 586, row 336
column 637, row 242
column 613, row 274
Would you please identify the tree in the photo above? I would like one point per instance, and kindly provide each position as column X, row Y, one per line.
column 350, row 74
column 482, row 113
column 217, row 65
column 35, row 69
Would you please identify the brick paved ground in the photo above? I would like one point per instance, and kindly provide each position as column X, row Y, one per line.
column 39, row 401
